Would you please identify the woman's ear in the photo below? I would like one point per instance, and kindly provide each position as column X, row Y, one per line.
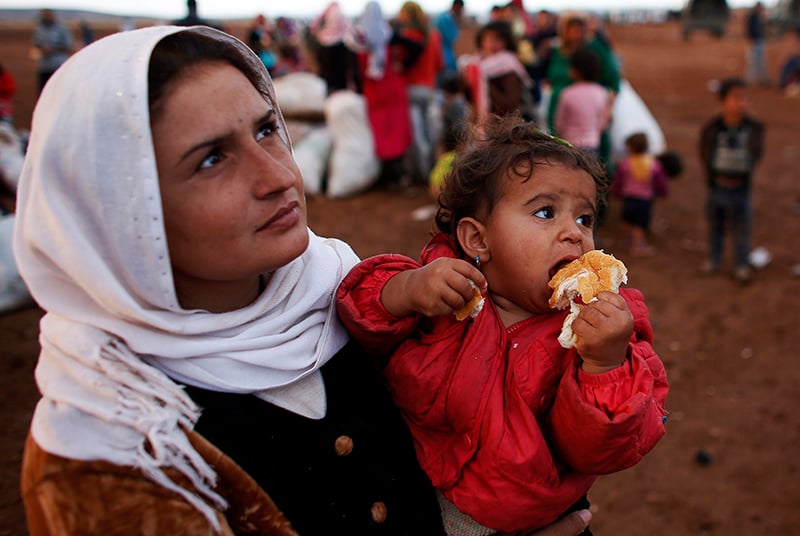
column 472, row 238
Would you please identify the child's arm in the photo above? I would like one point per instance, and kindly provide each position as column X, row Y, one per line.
column 603, row 423
column 439, row 288
column 660, row 180
column 380, row 301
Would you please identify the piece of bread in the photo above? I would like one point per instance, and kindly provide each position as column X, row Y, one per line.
column 584, row 278
column 473, row 307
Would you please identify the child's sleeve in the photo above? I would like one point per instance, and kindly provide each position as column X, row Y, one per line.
column 358, row 304
column 660, row 180
column 603, row 423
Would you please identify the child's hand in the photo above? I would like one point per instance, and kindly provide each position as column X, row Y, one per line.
column 603, row 329
column 438, row 288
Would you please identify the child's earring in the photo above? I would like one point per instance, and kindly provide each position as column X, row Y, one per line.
column 477, row 261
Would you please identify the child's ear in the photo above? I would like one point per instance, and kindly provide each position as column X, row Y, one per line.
column 472, row 238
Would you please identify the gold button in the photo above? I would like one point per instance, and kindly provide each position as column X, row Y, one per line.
column 379, row 512
column 343, row 445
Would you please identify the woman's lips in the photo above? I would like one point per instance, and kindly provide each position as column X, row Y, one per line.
column 285, row 218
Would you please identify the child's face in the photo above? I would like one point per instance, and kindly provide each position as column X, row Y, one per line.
column 535, row 227
column 232, row 194
column 491, row 43
column 735, row 103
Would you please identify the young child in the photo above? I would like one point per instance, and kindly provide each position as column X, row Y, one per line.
column 584, row 109
column 731, row 144
column 510, row 427
column 638, row 180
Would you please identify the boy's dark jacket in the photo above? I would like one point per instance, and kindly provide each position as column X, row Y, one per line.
column 708, row 140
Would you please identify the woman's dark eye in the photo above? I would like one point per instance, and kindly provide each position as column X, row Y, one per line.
column 266, row 130
column 209, row 161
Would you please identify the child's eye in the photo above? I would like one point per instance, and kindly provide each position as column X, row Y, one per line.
column 544, row 213
column 587, row 220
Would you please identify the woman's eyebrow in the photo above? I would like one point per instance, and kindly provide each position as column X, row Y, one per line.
column 268, row 116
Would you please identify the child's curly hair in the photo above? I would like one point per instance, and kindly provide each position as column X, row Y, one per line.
column 476, row 181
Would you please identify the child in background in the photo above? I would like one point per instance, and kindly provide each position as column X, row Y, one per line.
column 731, row 144
column 639, row 179
column 456, row 114
column 510, row 427
column 584, row 109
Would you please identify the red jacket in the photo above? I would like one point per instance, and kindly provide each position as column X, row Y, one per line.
column 505, row 422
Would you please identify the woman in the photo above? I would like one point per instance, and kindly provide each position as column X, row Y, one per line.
column 422, row 61
column 370, row 38
column 169, row 249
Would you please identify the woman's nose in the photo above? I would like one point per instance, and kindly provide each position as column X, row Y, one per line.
column 270, row 172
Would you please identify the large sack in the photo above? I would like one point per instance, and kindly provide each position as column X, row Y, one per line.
column 13, row 292
column 354, row 167
column 312, row 153
column 629, row 116
column 301, row 95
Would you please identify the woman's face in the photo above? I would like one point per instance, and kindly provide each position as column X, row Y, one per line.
column 231, row 191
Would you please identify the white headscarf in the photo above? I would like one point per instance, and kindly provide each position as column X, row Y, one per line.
column 370, row 35
column 91, row 246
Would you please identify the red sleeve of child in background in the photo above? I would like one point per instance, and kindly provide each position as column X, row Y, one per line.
column 602, row 423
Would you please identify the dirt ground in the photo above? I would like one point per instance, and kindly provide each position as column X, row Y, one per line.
column 730, row 462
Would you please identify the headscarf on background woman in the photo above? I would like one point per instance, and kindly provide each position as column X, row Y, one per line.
column 384, row 90
column 334, row 61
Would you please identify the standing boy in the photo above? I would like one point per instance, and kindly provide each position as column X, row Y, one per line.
column 731, row 144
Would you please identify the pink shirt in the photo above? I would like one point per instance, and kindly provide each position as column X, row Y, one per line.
column 582, row 114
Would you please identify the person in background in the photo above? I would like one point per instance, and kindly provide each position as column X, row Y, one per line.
column 289, row 60
column 259, row 40
column 53, row 44
column 584, row 109
column 756, row 31
column 8, row 88
column 384, row 89
column 573, row 33
column 638, row 180
column 544, row 33
column 87, row 33
column 448, row 24
column 335, row 63
column 422, row 62
column 511, row 427
column 456, row 119
column 790, row 69
column 519, row 19
column 508, row 86
column 731, row 145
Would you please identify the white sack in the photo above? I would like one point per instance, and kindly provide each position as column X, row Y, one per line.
column 312, row 153
column 354, row 167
